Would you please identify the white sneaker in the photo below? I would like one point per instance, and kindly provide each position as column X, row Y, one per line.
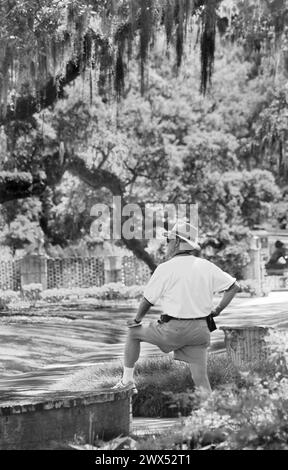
column 121, row 386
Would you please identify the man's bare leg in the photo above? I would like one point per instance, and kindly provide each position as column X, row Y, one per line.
column 131, row 351
column 131, row 356
column 200, row 376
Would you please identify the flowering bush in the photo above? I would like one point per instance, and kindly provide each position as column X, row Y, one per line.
column 254, row 416
column 115, row 290
column 277, row 343
column 7, row 297
column 31, row 292
column 111, row 291
column 249, row 286
column 56, row 295
column 135, row 292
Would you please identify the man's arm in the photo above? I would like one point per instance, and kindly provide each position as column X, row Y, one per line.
column 142, row 310
column 226, row 299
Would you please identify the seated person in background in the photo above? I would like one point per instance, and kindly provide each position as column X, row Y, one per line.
column 278, row 258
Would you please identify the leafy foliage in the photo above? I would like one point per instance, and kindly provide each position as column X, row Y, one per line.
column 7, row 297
column 32, row 292
column 223, row 152
column 40, row 39
column 248, row 415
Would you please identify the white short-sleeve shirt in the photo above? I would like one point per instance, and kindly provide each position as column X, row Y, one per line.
column 185, row 285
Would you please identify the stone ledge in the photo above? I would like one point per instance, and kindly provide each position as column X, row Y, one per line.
column 59, row 417
column 245, row 327
column 60, row 400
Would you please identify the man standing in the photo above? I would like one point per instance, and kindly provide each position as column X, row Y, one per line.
column 185, row 285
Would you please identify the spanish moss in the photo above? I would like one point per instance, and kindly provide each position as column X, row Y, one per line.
column 93, row 33
column 208, row 34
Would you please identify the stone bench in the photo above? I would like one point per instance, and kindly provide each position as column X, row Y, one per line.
column 58, row 418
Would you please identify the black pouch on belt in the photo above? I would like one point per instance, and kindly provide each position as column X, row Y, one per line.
column 211, row 323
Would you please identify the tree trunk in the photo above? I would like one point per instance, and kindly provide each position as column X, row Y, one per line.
column 102, row 178
column 139, row 251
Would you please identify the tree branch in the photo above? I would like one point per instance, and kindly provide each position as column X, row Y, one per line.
column 20, row 186
column 136, row 246
column 95, row 178
column 28, row 105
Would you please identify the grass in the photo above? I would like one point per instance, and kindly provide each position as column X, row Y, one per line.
column 165, row 386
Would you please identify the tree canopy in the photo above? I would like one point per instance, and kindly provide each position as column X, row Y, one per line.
column 45, row 44
column 61, row 61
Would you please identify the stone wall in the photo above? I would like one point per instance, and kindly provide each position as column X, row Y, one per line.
column 58, row 419
column 276, row 283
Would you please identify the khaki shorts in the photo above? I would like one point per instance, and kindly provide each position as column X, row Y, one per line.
column 189, row 339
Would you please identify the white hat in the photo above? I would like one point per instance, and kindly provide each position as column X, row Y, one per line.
column 185, row 231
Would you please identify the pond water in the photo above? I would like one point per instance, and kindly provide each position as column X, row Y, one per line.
column 41, row 347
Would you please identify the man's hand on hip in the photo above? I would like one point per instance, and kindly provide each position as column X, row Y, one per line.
column 227, row 297
column 142, row 310
column 216, row 311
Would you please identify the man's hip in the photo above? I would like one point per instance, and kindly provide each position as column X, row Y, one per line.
column 174, row 334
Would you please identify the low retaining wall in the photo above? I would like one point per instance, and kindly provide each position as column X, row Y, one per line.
column 245, row 344
column 276, row 283
column 59, row 418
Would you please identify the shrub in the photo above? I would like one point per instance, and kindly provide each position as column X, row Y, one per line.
column 55, row 295
column 245, row 411
column 249, row 286
column 7, row 297
column 254, row 416
column 165, row 386
column 135, row 292
column 277, row 343
column 115, row 290
column 221, row 370
column 31, row 292
column 111, row 291
column 34, row 292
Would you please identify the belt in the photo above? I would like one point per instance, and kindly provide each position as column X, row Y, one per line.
column 166, row 318
column 209, row 319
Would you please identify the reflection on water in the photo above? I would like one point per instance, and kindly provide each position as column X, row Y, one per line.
column 39, row 349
